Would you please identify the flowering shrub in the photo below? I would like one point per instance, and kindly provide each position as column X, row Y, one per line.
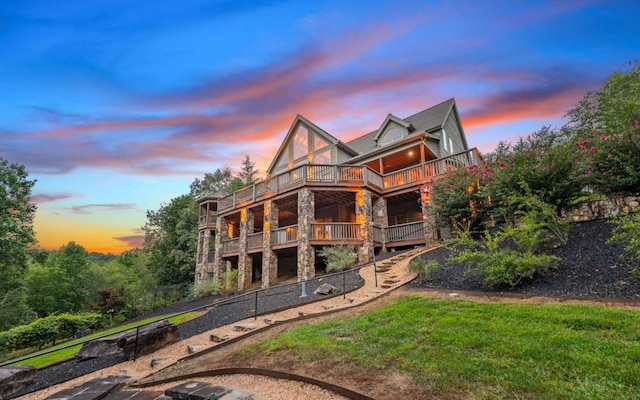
column 543, row 163
column 610, row 163
column 459, row 198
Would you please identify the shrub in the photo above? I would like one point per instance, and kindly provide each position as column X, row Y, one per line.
column 513, row 252
column 48, row 330
column 496, row 262
column 426, row 269
column 230, row 281
column 627, row 230
column 460, row 198
column 207, row 287
column 338, row 257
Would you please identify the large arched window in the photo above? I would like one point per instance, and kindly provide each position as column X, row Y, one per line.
column 390, row 136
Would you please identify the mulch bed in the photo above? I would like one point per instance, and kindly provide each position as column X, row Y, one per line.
column 590, row 269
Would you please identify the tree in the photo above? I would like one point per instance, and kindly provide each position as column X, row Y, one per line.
column 615, row 108
column 248, row 174
column 63, row 284
column 16, row 236
column 171, row 240
column 219, row 180
column 606, row 133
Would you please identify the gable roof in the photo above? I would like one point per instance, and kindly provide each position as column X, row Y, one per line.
column 431, row 119
column 391, row 117
column 299, row 118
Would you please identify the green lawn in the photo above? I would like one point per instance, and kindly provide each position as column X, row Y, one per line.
column 489, row 351
column 68, row 353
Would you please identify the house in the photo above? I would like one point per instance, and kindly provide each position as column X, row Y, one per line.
column 321, row 191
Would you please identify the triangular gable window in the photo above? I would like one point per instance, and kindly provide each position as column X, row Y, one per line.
column 319, row 143
column 300, row 142
column 305, row 143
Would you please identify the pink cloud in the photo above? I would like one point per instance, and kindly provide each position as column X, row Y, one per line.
column 47, row 198
column 136, row 241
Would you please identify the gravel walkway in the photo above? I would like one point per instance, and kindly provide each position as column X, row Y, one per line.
column 228, row 311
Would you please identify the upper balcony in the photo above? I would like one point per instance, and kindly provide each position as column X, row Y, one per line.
column 346, row 176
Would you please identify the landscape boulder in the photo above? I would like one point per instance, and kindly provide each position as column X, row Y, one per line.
column 15, row 378
column 149, row 338
column 326, row 289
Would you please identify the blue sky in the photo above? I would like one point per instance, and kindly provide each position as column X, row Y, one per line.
column 116, row 106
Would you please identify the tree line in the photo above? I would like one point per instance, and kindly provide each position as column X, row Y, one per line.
column 36, row 283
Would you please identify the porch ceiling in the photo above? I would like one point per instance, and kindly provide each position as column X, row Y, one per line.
column 403, row 198
column 402, row 159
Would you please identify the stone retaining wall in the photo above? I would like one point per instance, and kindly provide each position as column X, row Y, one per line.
column 605, row 208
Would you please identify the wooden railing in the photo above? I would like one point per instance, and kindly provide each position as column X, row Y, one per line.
column 409, row 231
column 254, row 240
column 377, row 234
column 208, row 220
column 284, row 235
column 230, row 245
column 347, row 175
column 335, row 231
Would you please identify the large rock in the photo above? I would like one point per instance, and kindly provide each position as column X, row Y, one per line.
column 14, row 379
column 150, row 338
column 99, row 348
column 326, row 289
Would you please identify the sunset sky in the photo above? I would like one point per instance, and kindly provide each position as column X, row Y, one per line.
column 116, row 106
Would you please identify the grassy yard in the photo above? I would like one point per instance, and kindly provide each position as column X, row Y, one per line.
column 67, row 353
column 464, row 349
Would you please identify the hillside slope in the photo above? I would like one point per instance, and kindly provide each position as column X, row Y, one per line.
column 590, row 268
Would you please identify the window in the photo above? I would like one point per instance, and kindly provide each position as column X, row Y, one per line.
column 300, row 142
column 323, row 157
column 444, row 140
column 392, row 135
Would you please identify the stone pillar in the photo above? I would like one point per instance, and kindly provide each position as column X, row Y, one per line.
column 428, row 221
column 381, row 219
column 269, row 257
column 365, row 222
column 245, row 269
column 206, row 239
column 200, row 266
column 306, row 214
column 223, row 234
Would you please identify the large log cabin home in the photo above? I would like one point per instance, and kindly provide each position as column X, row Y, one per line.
column 320, row 191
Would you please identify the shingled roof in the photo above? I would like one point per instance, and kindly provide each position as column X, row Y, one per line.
column 425, row 121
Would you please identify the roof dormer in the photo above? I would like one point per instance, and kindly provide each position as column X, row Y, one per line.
column 392, row 130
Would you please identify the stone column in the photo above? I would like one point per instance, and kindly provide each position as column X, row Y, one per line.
column 206, row 238
column 306, row 214
column 200, row 266
column 381, row 219
column 363, row 217
column 269, row 257
column 244, row 260
column 223, row 234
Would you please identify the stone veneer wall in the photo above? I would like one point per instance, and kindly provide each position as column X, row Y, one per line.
column 605, row 208
column 269, row 257
column 365, row 222
column 306, row 254
column 244, row 259
column 222, row 233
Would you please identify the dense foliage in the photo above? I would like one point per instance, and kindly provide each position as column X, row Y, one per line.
column 16, row 236
column 47, row 330
column 522, row 188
